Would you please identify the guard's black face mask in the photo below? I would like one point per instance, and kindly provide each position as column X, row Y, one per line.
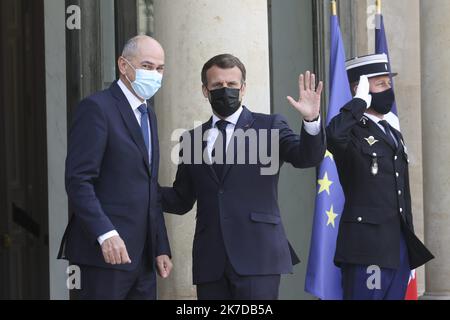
column 225, row 101
column 382, row 102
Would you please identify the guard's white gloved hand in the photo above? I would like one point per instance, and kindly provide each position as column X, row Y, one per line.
column 363, row 90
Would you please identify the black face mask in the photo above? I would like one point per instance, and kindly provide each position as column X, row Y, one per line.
column 225, row 101
column 382, row 102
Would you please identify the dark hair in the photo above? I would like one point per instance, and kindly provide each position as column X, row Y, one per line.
column 352, row 87
column 223, row 61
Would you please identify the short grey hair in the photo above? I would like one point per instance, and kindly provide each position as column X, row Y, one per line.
column 131, row 47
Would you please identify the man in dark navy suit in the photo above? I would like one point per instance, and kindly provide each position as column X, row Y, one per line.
column 240, row 246
column 376, row 246
column 117, row 234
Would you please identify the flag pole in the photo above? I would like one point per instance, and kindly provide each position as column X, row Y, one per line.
column 333, row 8
column 378, row 3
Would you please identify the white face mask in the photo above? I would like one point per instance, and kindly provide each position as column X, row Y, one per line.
column 147, row 82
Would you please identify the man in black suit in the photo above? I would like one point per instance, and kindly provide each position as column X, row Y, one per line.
column 376, row 234
column 116, row 234
column 240, row 246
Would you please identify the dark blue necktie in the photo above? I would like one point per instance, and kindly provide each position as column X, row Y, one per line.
column 222, row 126
column 144, row 126
column 388, row 132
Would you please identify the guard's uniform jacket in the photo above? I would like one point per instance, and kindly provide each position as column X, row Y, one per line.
column 374, row 176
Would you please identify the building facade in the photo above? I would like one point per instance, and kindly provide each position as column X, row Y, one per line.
column 53, row 53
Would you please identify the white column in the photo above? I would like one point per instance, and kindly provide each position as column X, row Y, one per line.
column 192, row 32
column 436, row 149
column 55, row 77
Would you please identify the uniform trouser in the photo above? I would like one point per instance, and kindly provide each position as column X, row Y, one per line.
column 393, row 283
column 232, row 286
column 110, row 284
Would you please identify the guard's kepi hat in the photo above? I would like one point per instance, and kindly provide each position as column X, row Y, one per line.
column 373, row 65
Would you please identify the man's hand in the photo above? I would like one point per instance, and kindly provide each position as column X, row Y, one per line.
column 309, row 102
column 363, row 90
column 164, row 265
column 115, row 251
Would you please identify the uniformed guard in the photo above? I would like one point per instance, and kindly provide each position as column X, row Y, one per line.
column 376, row 247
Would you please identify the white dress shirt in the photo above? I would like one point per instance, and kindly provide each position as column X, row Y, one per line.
column 312, row 128
column 135, row 103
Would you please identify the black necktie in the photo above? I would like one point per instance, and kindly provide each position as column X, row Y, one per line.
column 221, row 142
column 388, row 132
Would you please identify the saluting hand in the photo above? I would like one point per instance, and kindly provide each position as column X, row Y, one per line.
column 309, row 102
column 363, row 90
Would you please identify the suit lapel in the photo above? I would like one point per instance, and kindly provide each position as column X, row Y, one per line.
column 154, row 137
column 130, row 121
column 245, row 122
column 399, row 137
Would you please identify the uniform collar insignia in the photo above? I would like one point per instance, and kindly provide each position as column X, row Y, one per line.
column 364, row 120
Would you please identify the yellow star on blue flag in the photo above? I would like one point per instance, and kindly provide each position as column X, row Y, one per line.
column 331, row 217
column 328, row 154
column 325, row 184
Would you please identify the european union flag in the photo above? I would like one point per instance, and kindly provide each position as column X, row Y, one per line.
column 323, row 278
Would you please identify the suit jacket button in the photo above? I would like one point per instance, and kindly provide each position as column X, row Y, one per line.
column 360, row 219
